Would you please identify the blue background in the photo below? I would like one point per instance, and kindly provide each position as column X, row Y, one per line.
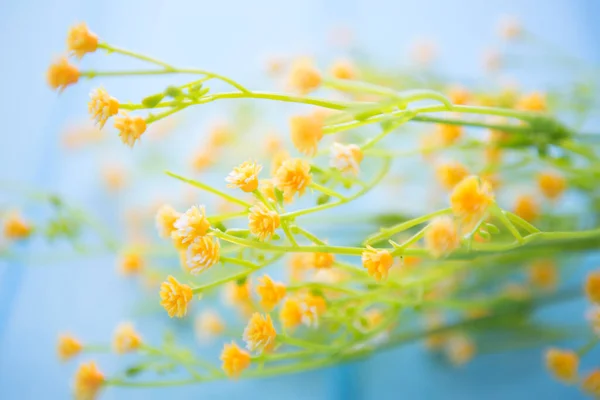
column 38, row 300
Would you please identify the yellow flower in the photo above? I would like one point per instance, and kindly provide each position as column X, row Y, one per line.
column 471, row 198
column 81, row 41
column 208, row 324
column 459, row 95
column 551, row 184
column 165, row 220
column 527, row 208
column 291, row 313
column 190, row 225
column 592, row 287
column 15, row 227
column 323, row 260
column 202, row 253
column 102, row 106
column 130, row 128
column 263, row 221
column 267, row 188
column 220, row 134
column 62, row 74
column 88, row 381
column 593, row 316
column 235, row 360
column 563, row 364
column 131, row 263
column 343, row 69
column 304, row 77
column 278, row 159
column 591, row 383
column 459, row 349
column 126, row 339
column 448, row 134
column 450, row 174
column 441, row 237
column 175, row 297
column 305, row 310
column 203, row 158
column 114, row 177
column 377, row 262
column 534, row 101
column 510, row 28
column 346, row 158
column 270, row 292
column 299, row 263
column 293, row 177
column 543, row 274
column 245, row 176
column 306, row 132
column 260, row 333
column 68, row 347
column 237, row 293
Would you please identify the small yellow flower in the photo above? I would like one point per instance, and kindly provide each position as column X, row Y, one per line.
column 346, row 158
column 126, row 339
column 263, row 221
column 245, row 176
column 102, row 106
column 592, row 287
column 114, row 177
column 237, row 293
column 203, row 159
column 270, row 292
column 62, row 74
column 441, row 237
column 593, row 317
column 527, row 208
column 190, row 225
column 293, row 177
column 208, row 324
column 450, row 174
column 377, row 263
column 68, row 347
column 175, row 297
column 267, row 188
column 323, row 260
column 591, row 383
column 343, row 69
column 15, row 227
column 563, row 364
column 130, row 128
column 459, row 95
column 278, row 159
column 235, row 360
column 510, row 28
column 305, row 310
column 220, row 135
column 291, row 313
column 81, row 41
column 459, row 349
column 132, row 263
column 201, row 254
column 471, row 198
column 88, row 381
column 165, row 220
column 299, row 263
column 273, row 143
column 306, row 132
column 551, row 184
column 260, row 333
column 304, row 77
column 534, row 101
column 447, row 134
column 543, row 274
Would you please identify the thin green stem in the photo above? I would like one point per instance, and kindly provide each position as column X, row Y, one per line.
column 385, row 233
column 210, row 189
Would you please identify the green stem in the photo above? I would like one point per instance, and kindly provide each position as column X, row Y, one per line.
column 209, row 189
column 388, row 232
column 112, row 49
column 326, row 190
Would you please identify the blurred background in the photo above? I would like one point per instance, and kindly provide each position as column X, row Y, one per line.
column 41, row 296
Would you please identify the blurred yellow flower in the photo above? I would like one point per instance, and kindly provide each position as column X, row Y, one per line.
column 591, row 383
column 471, row 198
column 80, row 40
column 68, row 347
column 245, row 176
column 208, row 324
column 460, row 349
column 441, row 237
column 235, row 360
column 592, row 287
column 323, row 260
column 88, row 381
column 377, row 262
column 260, row 333
column 270, row 292
column 293, row 177
column 126, row 339
column 451, row 173
column 447, row 134
column 551, row 184
column 534, row 101
column 16, row 227
column 343, row 69
column 527, row 207
column 304, row 77
column 175, row 297
column 563, row 364
column 62, row 74
column 131, row 263
column 306, row 132
column 263, row 221
column 191, row 225
column 459, row 95
column 346, row 158
column 543, row 274
column 165, row 220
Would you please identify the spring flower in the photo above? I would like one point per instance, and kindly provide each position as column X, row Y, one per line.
column 270, row 292
column 306, row 132
column 165, row 220
column 563, row 364
column 459, row 349
column 132, row 263
column 527, row 208
column 293, row 177
column 208, row 324
column 492, row 60
column 238, row 294
column 263, row 221
column 471, row 198
column 235, row 360
column 323, row 260
column 510, row 28
column 450, row 174
column 551, row 184
column 543, row 274
column 126, row 339
column 441, row 237
column 260, row 333
column 88, row 381
column 304, row 77
column 299, row 263
column 220, row 135
column 377, row 262
column 593, row 317
column 291, row 313
column 81, row 41
column 278, row 159
column 423, row 52
column 62, row 74
column 459, row 95
column 175, row 297
column 534, row 101
column 591, row 383
column 68, row 347
column 346, row 158
column 114, row 177
column 312, row 307
column 493, row 154
column 102, row 106
column 202, row 253
column 130, row 128
column 203, row 158
column 447, row 134
column 15, row 227
column 191, row 224
column 343, row 69
column 245, row 176
column 592, row 287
